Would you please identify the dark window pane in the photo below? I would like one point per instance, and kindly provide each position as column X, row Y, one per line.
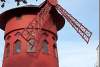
column 18, row 46
column 45, row 46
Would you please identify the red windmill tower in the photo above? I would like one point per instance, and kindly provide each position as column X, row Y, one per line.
column 31, row 34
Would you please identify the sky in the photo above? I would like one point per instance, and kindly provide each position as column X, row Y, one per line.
column 73, row 51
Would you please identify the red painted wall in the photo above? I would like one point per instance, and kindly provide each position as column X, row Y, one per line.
column 30, row 59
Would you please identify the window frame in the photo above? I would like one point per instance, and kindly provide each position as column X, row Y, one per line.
column 17, row 46
column 46, row 51
column 31, row 48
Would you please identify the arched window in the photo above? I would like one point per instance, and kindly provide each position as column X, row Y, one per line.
column 55, row 50
column 17, row 46
column 31, row 45
column 7, row 50
column 45, row 46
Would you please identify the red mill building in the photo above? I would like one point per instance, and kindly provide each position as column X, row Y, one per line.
column 31, row 34
column 31, row 42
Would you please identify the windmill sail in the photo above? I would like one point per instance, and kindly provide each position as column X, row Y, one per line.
column 83, row 31
column 35, row 26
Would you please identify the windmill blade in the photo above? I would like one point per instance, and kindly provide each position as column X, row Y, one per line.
column 83, row 31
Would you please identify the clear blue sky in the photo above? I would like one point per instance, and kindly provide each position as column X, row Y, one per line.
column 72, row 50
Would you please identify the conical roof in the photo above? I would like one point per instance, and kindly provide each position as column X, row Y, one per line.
column 30, row 9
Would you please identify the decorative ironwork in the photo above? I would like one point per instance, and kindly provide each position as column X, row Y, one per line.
column 35, row 26
column 42, row 17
